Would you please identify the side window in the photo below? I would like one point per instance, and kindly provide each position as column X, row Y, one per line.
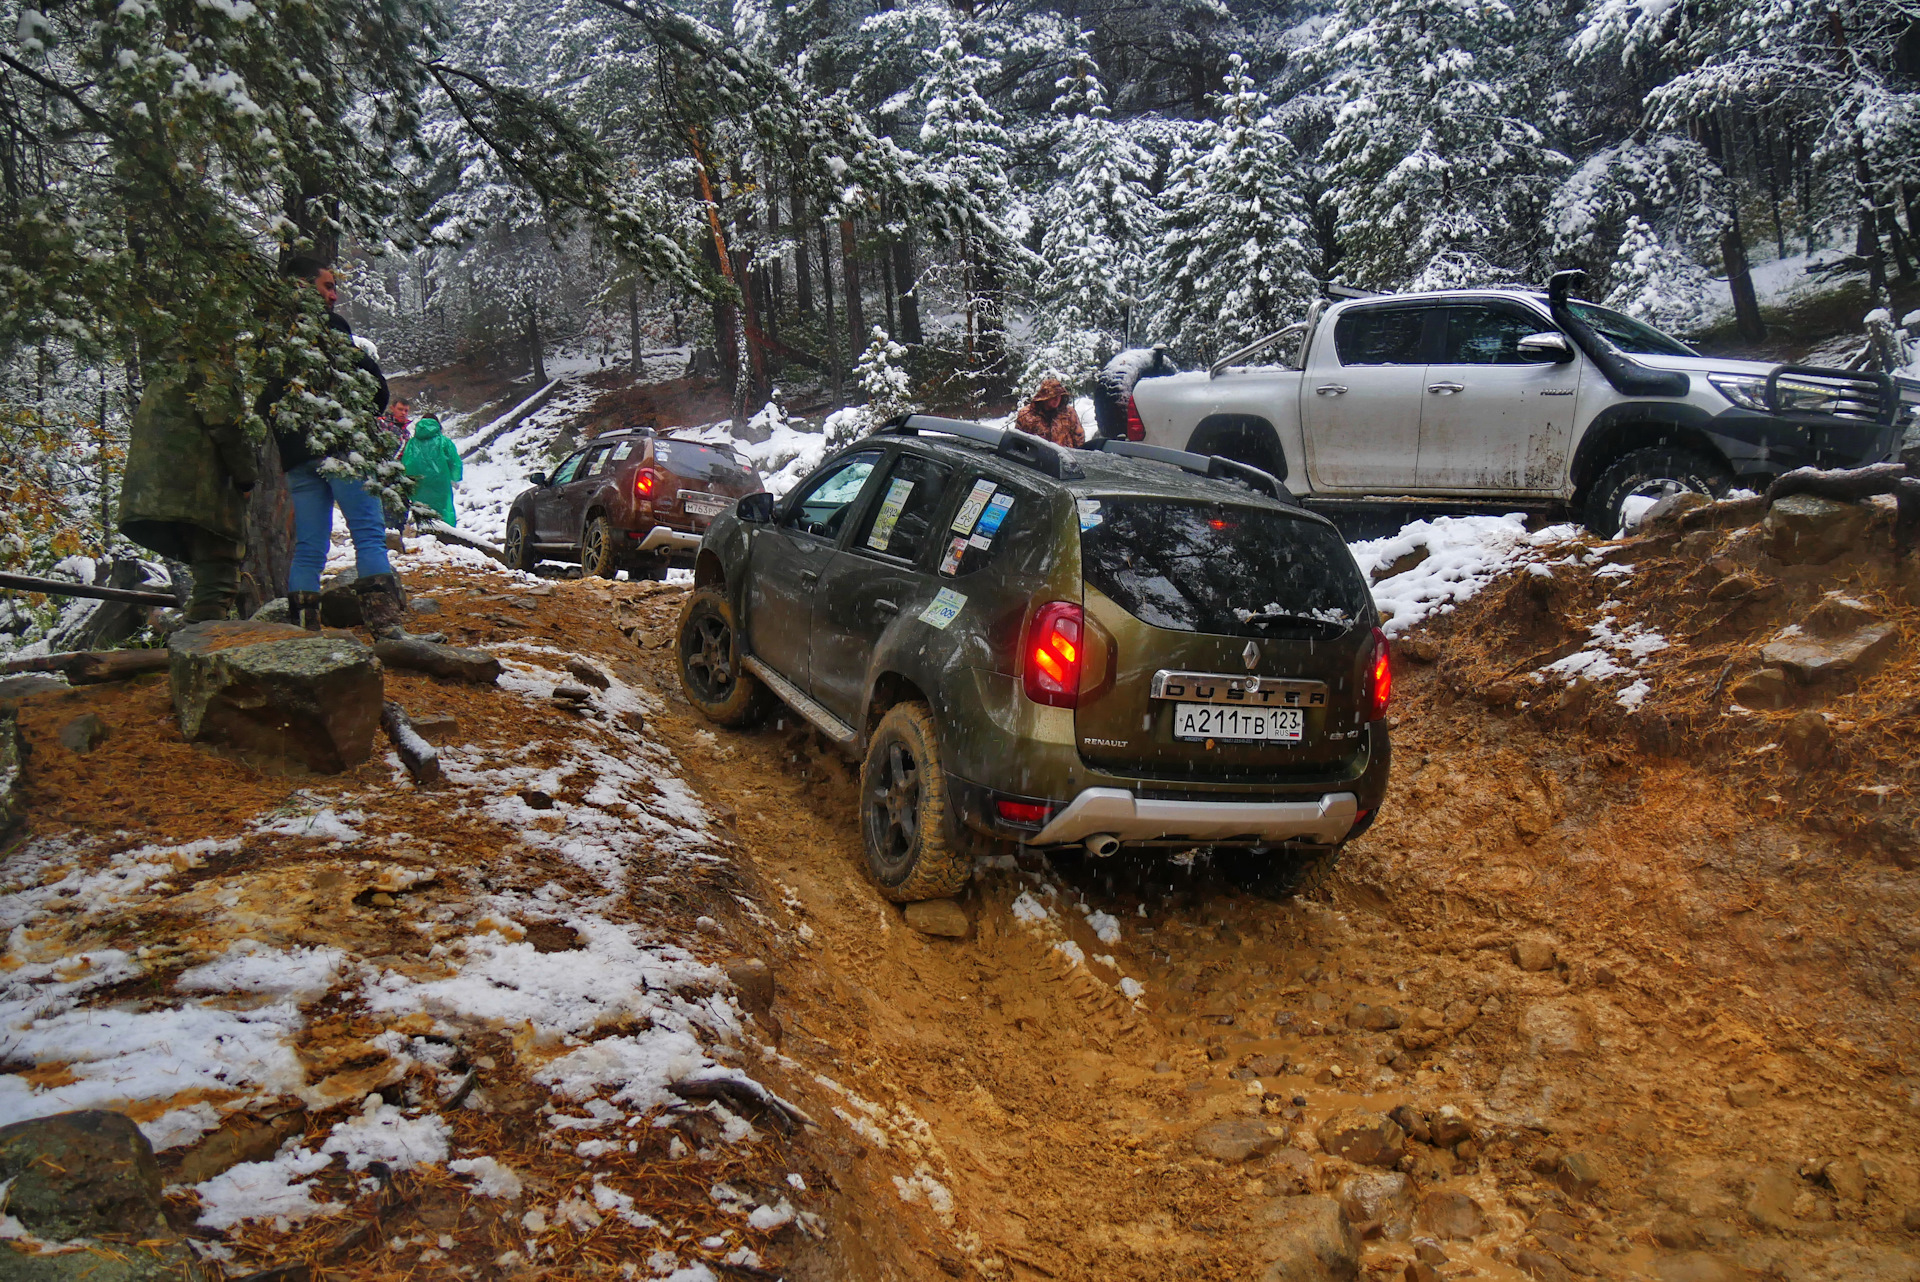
column 909, row 500
column 1488, row 335
column 823, row 507
column 595, row 464
column 569, row 469
column 1380, row 336
column 990, row 517
column 621, row 452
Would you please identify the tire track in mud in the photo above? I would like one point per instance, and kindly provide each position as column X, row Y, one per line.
column 1006, row 1110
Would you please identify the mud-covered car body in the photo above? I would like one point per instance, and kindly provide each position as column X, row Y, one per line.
column 974, row 571
column 652, row 497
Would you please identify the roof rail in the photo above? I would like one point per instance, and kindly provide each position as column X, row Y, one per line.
column 1211, row 466
column 1016, row 446
column 1348, row 291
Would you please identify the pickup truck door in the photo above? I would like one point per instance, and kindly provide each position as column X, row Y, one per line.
column 1362, row 395
column 788, row 557
column 1493, row 420
column 880, row 574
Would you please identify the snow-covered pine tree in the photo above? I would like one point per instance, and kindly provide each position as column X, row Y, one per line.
column 1235, row 256
column 883, row 381
column 1659, row 283
column 1099, row 217
column 1435, row 174
column 1665, row 183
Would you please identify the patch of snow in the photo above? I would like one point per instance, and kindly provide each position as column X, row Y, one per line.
column 490, row 1177
column 249, row 966
column 1464, row 555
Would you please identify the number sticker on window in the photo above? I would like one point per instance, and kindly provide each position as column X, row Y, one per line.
column 991, row 519
column 944, row 609
column 975, row 504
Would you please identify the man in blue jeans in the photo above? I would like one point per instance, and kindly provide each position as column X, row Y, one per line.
column 315, row 496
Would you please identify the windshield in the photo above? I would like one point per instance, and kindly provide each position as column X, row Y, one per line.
column 1218, row 568
column 1635, row 338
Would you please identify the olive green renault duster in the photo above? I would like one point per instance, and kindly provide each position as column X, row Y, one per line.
column 1122, row 647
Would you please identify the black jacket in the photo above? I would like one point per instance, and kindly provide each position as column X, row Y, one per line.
column 293, row 445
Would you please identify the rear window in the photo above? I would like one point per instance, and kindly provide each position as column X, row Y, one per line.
column 1381, row 336
column 1220, row 568
column 697, row 462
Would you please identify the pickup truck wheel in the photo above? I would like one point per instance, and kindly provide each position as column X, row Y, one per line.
column 1639, row 478
column 519, row 548
column 906, row 822
column 708, row 648
column 596, row 550
column 1279, row 872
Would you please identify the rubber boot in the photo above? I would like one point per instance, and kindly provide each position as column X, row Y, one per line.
column 380, row 606
column 303, row 608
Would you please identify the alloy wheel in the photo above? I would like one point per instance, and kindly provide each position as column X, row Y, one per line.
column 709, row 657
column 893, row 817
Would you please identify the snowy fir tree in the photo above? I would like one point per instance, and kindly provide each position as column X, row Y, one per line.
column 883, row 382
column 1235, row 256
column 1099, row 217
column 1659, row 284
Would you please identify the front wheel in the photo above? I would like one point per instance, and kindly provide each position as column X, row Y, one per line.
column 710, row 671
column 1640, row 478
column 906, row 822
column 519, row 548
column 596, row 550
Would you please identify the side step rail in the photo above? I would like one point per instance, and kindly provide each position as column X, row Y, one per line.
column 825, row 722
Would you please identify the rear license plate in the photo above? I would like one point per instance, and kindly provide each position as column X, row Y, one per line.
column 1252, row 725
column 698, row 503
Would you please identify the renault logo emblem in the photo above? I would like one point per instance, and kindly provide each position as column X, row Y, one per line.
column 1252, row 656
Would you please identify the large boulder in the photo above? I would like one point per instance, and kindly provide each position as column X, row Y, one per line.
column 1384, row 1198
column 1363, row 1137
column 1308, row 1239
column 1809, row 659
column 85, row 1174
column 277, row 691
column 1804, row 529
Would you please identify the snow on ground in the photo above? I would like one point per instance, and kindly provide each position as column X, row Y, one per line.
column 1462, row 555
column 1781, row 282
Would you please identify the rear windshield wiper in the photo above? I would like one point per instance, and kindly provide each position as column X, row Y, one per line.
column 1288, row 616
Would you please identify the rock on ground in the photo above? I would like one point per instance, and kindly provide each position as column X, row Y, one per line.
column 1307, row 1239
column 81, row 1174
column 1451, row 1215
column 1804, row 529
column 1363, row 1137
column 1235, row 1139
column 448, row 662
column 278, row 691
column 1380, row 1197
column 944, row 917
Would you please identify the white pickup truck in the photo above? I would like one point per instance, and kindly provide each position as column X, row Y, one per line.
column 1502, row 398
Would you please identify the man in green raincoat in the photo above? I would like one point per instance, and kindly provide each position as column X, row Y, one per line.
column 433, row 462
column 189, row 469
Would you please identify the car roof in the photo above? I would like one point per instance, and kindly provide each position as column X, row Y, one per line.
column 1512, row 293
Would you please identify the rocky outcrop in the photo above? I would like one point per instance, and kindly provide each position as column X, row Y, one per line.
column 1805, row 529
column 277, row 692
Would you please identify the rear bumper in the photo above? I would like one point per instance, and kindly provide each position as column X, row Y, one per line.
column 1120, row 813
column 664, row 536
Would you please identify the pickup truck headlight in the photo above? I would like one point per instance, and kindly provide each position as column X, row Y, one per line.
column 1749, row 392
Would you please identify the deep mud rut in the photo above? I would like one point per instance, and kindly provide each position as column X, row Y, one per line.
column 1704, row 1069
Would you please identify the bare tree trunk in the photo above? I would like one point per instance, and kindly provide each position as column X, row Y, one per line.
column 909, row 287
column 1866, row 242
column 1773, row 189
column 856, row 312
column 633, row 327
column 1746, row 304
column 749, row 277
column 802, row 260
column 536, row 349
column 835, row 362
column 269, row 556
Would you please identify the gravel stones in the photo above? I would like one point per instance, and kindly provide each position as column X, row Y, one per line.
column 1452, row 1215
column 1307, row 1239
column 1375, row 1019
column 1804, row 529
column 277, row 691
column 1363, row 1137
column 1534, row 953
column 1235, row 1139
column 942, row 917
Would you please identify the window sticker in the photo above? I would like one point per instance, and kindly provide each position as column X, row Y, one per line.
column 944, row 609
column 997, row 509
column 950, row 563
column 1089, row 513
column 975, row 504
column 890, row 508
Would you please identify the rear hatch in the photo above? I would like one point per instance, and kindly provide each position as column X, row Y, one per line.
column 700, row 481
column 1241, row 639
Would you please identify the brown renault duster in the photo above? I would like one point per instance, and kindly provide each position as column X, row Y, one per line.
column 629, row 500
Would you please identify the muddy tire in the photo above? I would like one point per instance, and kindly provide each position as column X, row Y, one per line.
column 707, row 647
column 519, row 546
column 1651, row 473
column 597, row 545
column 906, row 821
column 1280, row 872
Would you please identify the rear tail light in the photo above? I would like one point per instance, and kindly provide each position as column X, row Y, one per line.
column 1382, row 677
column 1136, row 430
column 1022, row 812
column 645, row 482
column 1055, row 654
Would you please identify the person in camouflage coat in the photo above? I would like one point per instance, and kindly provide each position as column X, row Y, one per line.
column 189, row 470
column 1050, row 416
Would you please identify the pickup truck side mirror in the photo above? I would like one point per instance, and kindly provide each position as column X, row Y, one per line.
column 755, row 509
column 539, row 479
column 1549, row 346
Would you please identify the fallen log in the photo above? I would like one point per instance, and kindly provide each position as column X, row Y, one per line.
column 62, row 587
column 510, row 420
column 421, row 758
column 91, row 667
column 449, row 662
column 736, row 1088
column 1851, row 485
column 447, row 534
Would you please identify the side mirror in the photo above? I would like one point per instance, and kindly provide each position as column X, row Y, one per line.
column 1550, row 346
column 539, row 479
column 755, row 509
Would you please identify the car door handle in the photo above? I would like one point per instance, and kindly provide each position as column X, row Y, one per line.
column 885, row 606
column 1330, row 389
column 809, row 576
column 1446, row 389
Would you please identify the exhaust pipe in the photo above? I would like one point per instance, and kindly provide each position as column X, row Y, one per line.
column 1102, row 844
